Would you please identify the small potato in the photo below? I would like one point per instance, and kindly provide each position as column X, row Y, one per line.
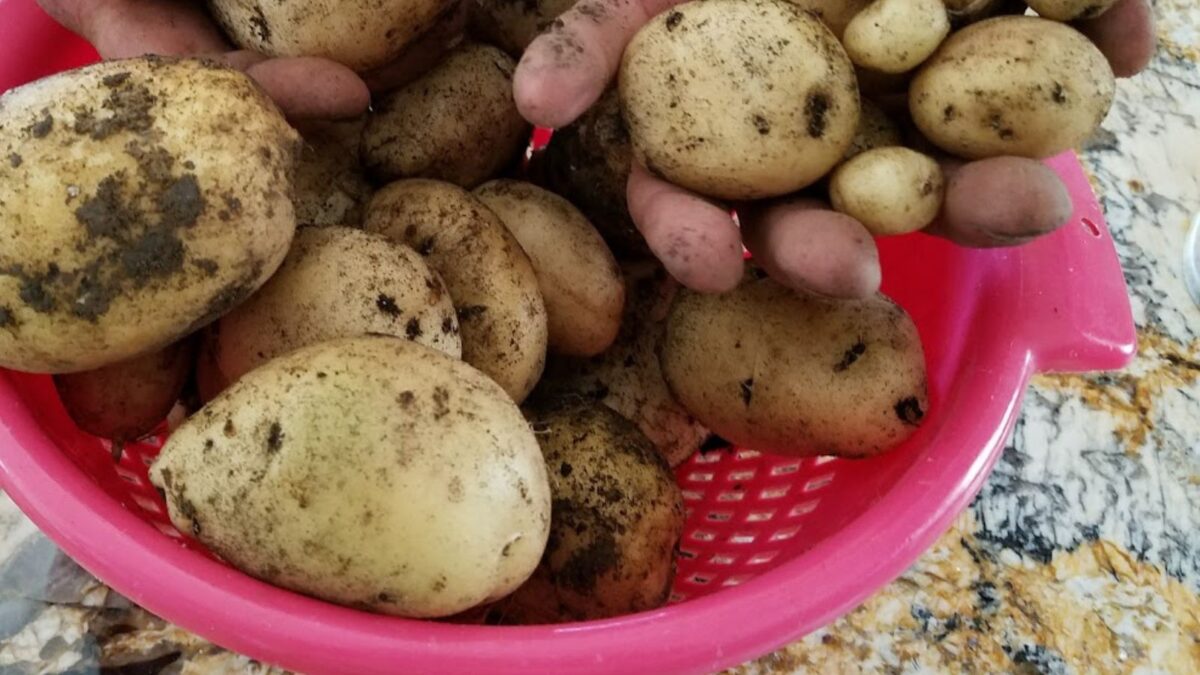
column 1070, row 10
column 130, row 213
column 457, row 123
column 336, row 282
column 513, row 24
column 362, row 35
column 493, row 285
column 1012, row 85
column 578, row 276
column 617, row 518
column 738, row 99
column 895, row 36
column 836, row 14
column 371, row 472
column 793, row 374
column 875, row 130
column 889, row 190
column 331, row 187
column 125, row 401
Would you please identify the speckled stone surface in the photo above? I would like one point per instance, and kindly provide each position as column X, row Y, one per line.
column 1081, row 554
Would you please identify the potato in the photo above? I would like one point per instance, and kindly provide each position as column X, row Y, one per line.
column 617, row 518
column 577, row 274
column 588, row 163
column 491, row 281
column 1012, row 85
column 1070, row 10
column 875, row 130
column 457, row 123
column 336, row 282
column 795, row 374
column 895, row 36
column 889, row 190
column 513, row 24
column 835, row 14
column 131, row 214
column 371, row 472
column 362, row 35
column 125, row 401
column 331, row 187
column 738, row 99
column 627, row 376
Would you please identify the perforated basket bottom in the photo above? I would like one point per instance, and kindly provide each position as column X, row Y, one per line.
column 746, row 512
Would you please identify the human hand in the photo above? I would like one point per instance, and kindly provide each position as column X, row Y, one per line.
column 799, row 242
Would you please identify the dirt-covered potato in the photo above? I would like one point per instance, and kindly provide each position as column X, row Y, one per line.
column 875, row 130
column 362, row 35
column 895, row 36
column 513, row 24
column 457, row 123
column 738, row 99
column 371, row 472
column 775, row 370
column 125, row 401
column 131, row 214
column 336, row 282
column 890, row 190
column 491, row 281
column 836, row 14
column 1012, row 85
column 1070, row 10
column 627, row 376
column 331, row 186
column 578, row 276
column 617, row 517
column 588, row 163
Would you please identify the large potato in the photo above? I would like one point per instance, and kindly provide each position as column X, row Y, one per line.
column 493, row 285
column 895, row 36
column 890, row 190
column 617, row 518
column 738, row 99
column 335, row 282
column 513, row 24
column 131, row 213
column 362, row 35
column 578, row 276
column 1012, row 85
column 457, row 123
column 331, row 186
column 771, row 369
column 371, row 472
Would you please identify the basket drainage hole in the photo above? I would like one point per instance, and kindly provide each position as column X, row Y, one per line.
column 1091, row 227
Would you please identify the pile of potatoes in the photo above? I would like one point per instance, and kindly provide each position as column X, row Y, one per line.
column 424, row 379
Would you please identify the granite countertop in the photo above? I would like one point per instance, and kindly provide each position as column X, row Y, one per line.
column 1081, row 554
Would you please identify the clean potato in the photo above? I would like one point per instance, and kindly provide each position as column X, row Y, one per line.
column 331, row 186
column 130, row 214
column 1012, row 85
column 895, row 36
column 738, row 99
column 875, row 130
column 500, row 311
column 457, row 123
column 578, row 276
column 617, row 518
column 1070, row 10
column 794, row 374
column 125, row 401
column 627, row 376
column 513, row 24
column 371, row 472
column 890, row 190
column 336, row 282
column 362, row 35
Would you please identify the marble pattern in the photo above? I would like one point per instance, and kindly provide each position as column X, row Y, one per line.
column 1081, row 554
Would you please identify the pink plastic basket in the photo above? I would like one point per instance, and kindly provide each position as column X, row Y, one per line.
column 774, row 547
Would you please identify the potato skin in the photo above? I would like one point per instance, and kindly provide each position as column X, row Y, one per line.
column 617, row 518
column 336, row 282
column 774, row 370
column 895, row 36
column 457, row 123
column 769, row 122
column 1012, row 85
column 130, row 215
column 577, row 273
column 361, row 35
column 889, row 190
column 371, row 472
column 331, row 186
column 513, row 24
column 500, row 310
column 125, row 401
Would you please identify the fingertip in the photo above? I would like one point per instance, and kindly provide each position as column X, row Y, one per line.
column 1125, row 34
column 553, row 93
column 1002, row 201
column 312, row 88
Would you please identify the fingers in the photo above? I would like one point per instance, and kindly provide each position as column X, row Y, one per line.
column 125, row 28
column 423, row 54
column 565, row 69
column 696, row 240
column 1002, row 201
column 312, row 88
column 804, row 245
column 1125, row 35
